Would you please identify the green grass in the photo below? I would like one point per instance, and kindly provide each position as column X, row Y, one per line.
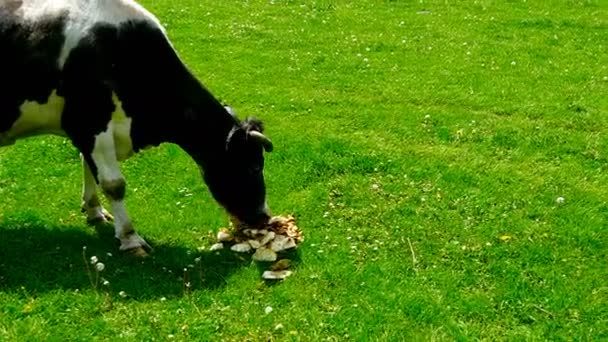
column 454, row 129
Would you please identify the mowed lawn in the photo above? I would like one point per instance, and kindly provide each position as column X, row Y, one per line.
column 447, row 161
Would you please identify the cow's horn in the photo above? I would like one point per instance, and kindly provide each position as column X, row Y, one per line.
column 262, row 139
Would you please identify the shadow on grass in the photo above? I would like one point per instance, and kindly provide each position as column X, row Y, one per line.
column 39, row 257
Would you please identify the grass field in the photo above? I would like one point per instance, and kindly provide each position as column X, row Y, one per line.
column 447, row 161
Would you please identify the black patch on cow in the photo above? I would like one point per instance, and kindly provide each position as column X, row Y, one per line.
column 136, row 61
column 165, row 101
column 28, row 61
column 168, row 104
column 86, row 88
column 115, row 189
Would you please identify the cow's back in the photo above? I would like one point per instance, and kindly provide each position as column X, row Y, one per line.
column 69, row 51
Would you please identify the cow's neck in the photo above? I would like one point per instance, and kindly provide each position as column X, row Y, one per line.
column 199, row 123
column 204, row 131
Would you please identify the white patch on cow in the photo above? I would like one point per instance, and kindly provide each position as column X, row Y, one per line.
column 91, row 11
column 83, row 15
column 89, row 186
column 33, row 10
column 104, row 156
column 36, row 118
column 121, row 128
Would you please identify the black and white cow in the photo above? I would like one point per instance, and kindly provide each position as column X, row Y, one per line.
column 104, row 74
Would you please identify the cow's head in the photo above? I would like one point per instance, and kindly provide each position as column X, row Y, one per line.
column 238, row 183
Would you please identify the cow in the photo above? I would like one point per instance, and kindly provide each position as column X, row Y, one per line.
column 104, row 74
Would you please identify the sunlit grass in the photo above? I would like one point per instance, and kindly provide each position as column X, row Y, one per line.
column 422, row 146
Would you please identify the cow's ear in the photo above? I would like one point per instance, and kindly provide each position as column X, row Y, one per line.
column 253, row 124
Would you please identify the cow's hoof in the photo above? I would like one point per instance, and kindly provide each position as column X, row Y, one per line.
column 139, row 252
column 135, row 246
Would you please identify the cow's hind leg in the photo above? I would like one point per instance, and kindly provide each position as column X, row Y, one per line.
column 113, row 185
column 96, row 214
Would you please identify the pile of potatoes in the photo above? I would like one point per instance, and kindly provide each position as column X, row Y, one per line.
column 278, row 235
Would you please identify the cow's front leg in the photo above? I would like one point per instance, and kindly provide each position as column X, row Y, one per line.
column 96, row 214
column 113, row 185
